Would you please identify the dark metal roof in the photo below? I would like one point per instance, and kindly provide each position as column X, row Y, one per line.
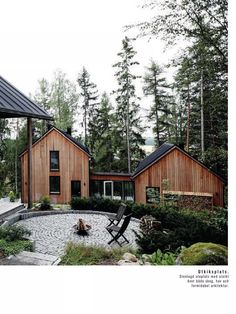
column 157, row 154
column 14, row 104
column 83, row 147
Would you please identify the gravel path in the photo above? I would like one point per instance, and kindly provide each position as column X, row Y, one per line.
column 53, row 232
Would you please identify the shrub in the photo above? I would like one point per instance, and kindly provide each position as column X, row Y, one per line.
column 13, row 233
column 95, row 204
column 159, row 258
column 14, row 247
column 12, row 196
column 184, row 228
column 45, row 203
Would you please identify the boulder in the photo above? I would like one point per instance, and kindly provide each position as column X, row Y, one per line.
column 203, row 254
column 123, row 262
column 129, row 257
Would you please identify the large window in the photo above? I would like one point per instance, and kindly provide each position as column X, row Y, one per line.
column 54, row 160
column 54, row 185
column 120, row 190
column 152, row 194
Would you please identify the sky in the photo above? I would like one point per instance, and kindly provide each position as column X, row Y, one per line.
column 39, row 37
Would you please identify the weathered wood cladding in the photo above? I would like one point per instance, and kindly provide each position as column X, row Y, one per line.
column 183, row 174
column 74, row 165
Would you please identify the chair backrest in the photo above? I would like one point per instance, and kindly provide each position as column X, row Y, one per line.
column 125, row 224
column 121, row 211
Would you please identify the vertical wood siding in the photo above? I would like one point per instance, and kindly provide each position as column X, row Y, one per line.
column 183, row 174
column 73, row 164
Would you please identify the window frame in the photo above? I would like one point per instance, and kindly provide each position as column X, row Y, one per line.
column 50, row 162
column 55, row 192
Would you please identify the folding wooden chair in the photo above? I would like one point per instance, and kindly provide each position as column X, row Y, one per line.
column 116, row 218
column 116, row 232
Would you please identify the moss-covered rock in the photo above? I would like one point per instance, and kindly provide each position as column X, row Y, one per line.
column 204, row 254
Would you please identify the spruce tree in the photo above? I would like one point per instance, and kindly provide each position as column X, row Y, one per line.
column 128, row 128
column 155, row 85
column 104, row 142
column 89, row 94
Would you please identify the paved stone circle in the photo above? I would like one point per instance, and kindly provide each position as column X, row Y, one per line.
column 51, row 233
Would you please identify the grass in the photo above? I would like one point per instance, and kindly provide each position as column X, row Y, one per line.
column 14, row 247
column 91, row 255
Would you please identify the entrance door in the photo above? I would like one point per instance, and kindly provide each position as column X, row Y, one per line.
column 108, row 189
column 75, row 189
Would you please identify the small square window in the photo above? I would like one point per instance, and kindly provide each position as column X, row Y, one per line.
column 54, row 160
column 152, row 195
column 54, row 185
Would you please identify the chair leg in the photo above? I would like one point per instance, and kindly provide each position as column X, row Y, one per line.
column 125, row 238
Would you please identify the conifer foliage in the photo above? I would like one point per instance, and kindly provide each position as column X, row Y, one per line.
column 128, row 127
column 89, row 94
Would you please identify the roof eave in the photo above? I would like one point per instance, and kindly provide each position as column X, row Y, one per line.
column 13, row 114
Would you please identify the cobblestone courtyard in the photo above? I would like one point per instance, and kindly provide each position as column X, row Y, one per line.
column 53, row 232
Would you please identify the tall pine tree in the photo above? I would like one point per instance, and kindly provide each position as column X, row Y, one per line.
column 128, row 128
column 104, row 143
column 89, row 94
column 156, row 87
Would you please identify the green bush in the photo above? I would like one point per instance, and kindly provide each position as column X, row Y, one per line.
column 45, row 203
column 159, row 258
column 184, row 228
column 14, row 247
column 95, row 204
column 12, row 196
column 13, row 233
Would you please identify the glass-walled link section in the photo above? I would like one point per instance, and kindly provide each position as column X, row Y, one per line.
column 118, row 190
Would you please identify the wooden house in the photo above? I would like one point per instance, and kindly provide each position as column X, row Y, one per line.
column 60, row 168
column 170, row 170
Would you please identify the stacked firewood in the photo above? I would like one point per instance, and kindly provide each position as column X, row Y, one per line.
column 148, row 224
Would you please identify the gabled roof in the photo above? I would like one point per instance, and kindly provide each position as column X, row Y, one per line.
column 153, row 157
column 161, row 152
column 77, row 143
column 66, row 135
column 14, row 104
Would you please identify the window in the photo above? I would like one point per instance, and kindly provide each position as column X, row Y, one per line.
column 128, row 191
column 54, row 185
column 75, row 189
column 54, row 160
column 152, row 194
column 117, row 190
column 96, row 188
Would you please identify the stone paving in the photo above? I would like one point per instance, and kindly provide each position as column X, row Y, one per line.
column 6, row 206
column 52, row 232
